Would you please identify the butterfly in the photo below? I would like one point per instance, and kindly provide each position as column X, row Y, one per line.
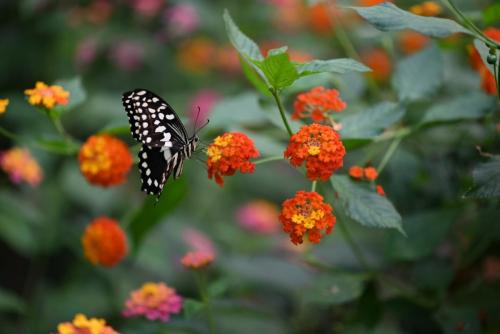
column 165, row 142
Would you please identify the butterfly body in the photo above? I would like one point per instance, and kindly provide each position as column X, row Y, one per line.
column 165, row 143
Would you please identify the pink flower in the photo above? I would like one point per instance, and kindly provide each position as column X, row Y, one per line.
column 127, row 55
column 147, row 7
column 205, row 99
column 198, row 241
column 197, row 260
column 182, row 19
column 155, row 301
column 259, row 217
column 86, row 52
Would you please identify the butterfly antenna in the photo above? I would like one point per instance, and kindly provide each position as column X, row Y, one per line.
column 196, row 119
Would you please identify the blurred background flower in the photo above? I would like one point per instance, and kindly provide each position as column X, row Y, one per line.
column 21, row 166
column 258, row 216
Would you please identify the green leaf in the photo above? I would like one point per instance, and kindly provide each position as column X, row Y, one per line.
column 388, row 17
column 341, row 65
column 419, row 75
column 277, row 51
column 254, row 78
column 58, row 146
column 243, row 44
column 365, row 206
column 371, row 122
column 191, row 307
column 425, row 232
column 153, row 212
column 486, row 179
column 10, row 302
column 334, row 289
column 470, row 106
column 491, row 14
column 484, row 52
column 279, row 71
column 77, row 94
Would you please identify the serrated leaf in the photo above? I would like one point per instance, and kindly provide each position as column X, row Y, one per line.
column 365, row 206
column 371, row 122
column 389, row 17
column 419, row 75
column 341, row 66
column 486, row 179
column 279, row 71
column 425, row 231
column 335, row 289
column 470, row 106
column 243, row 44
column 153, row 212
column 77, row 94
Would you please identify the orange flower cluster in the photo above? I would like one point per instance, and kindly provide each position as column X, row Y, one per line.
column 320, row 147
column 317, row 103
column 320, row 17
column 380, row 63
column 104, row 160
column 47, row 96
column 229, row 153
column 83, row 325
column 306, row 213
column 427, row 8
column 488, row 83
column 411, row 41
column 3, row 105
column 21, row 166
column 369, row 174
column 372, row 2
column 197, row 259
column 104, row 242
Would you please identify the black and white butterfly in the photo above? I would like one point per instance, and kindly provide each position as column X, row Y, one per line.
column 165, row 142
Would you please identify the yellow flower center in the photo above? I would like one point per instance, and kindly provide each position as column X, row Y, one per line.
column 313, row 150
column 308, row 220
column 214, row 151
column 96, row 157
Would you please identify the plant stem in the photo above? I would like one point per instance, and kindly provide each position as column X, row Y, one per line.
column 313, row 186
column 275, row 94
column 205, row 296
column 268, row 159
column 390, row 151
column 6, row 133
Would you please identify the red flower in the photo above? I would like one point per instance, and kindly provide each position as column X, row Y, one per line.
column 104, row 160
column 317, row 103
column 306, row 213
column 320, row 147
column 380, row 63
column 104, row 242
column 229, row 153
column 356, row 172
column 370, row 173
column 380, row 190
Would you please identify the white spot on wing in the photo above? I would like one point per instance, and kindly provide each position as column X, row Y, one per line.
column 142, row 92
column 160, row 129
column 170, row 117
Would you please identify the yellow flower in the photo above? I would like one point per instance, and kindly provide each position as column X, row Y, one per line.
column 47, row 96
column 3, row 105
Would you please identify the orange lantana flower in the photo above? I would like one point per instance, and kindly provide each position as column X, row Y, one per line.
column 306, row 213
column 81, row 324
column 229, row 153
column 411, row 41
column 427, row 8
column 3, row 105
column 47, row 96
column 320, row 147
column 380, row 63
column 356, row 172
column 104, row 242
column 380, row 190
column 370, row 173
column 317, row 103
column 104, row 160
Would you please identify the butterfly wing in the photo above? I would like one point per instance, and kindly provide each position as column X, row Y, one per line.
column 153, row 169
column 153, row 121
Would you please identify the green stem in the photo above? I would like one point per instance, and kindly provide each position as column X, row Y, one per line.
column 275, row 94
column 388, row 155
column 313, row 186
column 6, row 133
column 356, row 250
column 205, row 296
column 268, row 159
